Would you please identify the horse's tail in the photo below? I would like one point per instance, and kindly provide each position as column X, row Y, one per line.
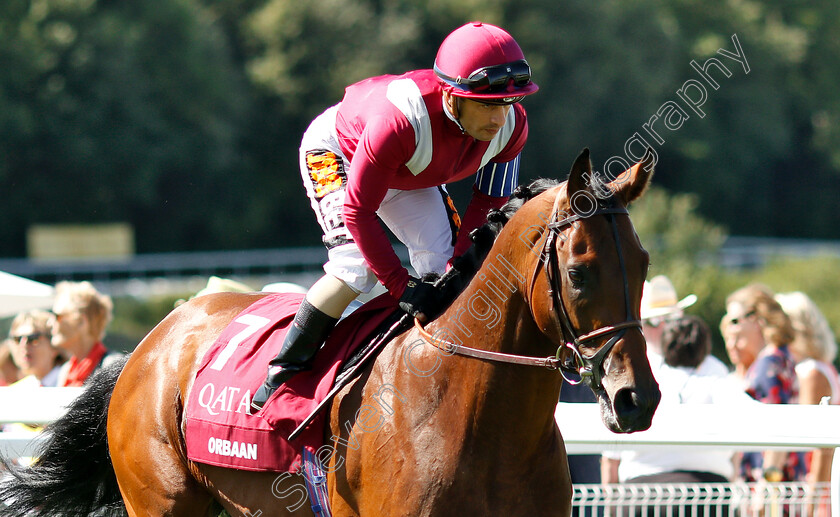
column 73, row 474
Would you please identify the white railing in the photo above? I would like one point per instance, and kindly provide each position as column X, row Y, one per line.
column 750, row 427
column 30, row 406
column 740, row 427
column 796, row 499
column 732, row 427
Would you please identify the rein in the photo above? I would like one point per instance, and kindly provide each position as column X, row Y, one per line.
column 449, row 347
column 588, row 367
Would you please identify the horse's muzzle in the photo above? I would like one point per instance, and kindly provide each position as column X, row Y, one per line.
column 631, row 409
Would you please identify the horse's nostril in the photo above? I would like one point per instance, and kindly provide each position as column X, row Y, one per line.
column 626, row 402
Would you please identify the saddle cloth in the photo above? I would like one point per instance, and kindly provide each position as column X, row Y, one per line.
column 220, row 429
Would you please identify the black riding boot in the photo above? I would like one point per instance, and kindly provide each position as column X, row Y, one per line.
column 305, row 336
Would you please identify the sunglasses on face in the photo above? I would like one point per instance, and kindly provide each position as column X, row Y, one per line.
column 494, row 79
column 29, row 337
column 740, row 319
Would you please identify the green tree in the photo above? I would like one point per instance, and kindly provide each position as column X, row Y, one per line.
column 122, row 111
column 184, row 116
column 602, row 68
column 684, row 246
column 306, row 53
column 751, row 159
column 607, row 67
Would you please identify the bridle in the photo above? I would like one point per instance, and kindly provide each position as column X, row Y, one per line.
column 589, row 368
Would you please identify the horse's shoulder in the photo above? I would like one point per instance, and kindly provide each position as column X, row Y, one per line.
column 363, row 389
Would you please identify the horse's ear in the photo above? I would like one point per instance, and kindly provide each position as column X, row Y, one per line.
column 580, row 174
column 631, row 184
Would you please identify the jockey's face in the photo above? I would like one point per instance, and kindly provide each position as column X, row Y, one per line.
column 480, row 121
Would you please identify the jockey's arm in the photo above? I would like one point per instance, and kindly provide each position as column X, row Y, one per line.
column 372, row 168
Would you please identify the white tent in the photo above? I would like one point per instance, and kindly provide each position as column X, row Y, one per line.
column 19, row 294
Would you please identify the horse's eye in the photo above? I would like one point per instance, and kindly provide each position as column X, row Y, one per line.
column 577, row 277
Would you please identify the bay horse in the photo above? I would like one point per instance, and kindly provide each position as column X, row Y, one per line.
column 468, row 433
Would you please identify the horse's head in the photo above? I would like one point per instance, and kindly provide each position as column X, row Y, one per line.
column 588, row 297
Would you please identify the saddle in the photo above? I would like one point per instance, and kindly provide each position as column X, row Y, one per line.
column 219, row 426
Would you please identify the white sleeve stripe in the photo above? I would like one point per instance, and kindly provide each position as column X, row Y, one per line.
column 504, row 180
column 514, row 177
column 502, row 184
column 492, row 177
column 406, row 96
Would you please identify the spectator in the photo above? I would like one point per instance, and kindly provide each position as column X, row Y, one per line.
column 757, row 333
column 32, row 350
column 81, row 317
column 217, row 284
column 814, row 349
column 39, row 361
column 686, row 343
column 659, row 305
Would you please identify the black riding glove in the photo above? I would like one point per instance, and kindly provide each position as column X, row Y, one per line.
column 420, row 297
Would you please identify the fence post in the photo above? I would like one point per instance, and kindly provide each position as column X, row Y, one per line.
column 835, row 484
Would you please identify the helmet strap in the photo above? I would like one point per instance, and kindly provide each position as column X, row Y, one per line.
column 458, row 114
column 452, row 103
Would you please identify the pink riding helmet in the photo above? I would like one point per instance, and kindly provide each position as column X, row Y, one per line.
column 483, row 62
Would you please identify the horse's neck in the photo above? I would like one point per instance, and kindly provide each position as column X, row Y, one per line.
column 493, row 314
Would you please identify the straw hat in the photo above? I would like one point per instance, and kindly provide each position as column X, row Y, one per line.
column 659, row 298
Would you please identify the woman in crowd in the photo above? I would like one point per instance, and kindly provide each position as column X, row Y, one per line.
column 757, row 333
column 814, row 349
column 39, row 361
column 32, row 351
column 82, row 315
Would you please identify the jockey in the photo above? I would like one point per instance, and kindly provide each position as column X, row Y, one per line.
column 385, row 153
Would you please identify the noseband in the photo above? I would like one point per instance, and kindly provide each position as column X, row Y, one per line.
column 589, row 368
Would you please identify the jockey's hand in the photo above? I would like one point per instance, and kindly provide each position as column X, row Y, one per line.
column 420, row 299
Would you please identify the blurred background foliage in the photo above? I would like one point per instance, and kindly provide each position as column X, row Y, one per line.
column 183, row 117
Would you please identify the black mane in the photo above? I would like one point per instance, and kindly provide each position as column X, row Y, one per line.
column 467, row 265
column 521, row 194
